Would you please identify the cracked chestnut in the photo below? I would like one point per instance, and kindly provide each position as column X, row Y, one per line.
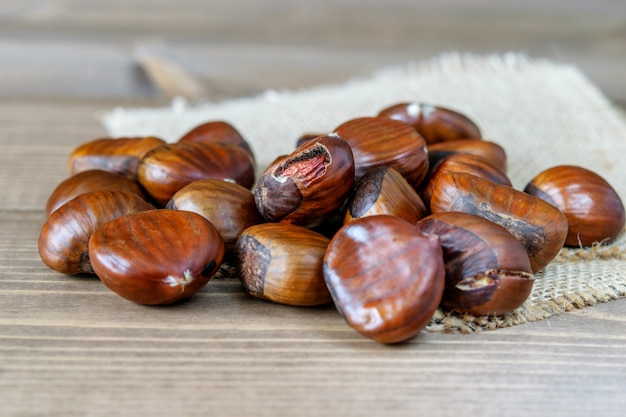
column 487, row 269
column 594, row 210
column 434, row 123
column 386, row 278
column 282, row 262
column 383, row 190
column 308, row 185
column 539, row 226
column 156, row 257
column 64, row 238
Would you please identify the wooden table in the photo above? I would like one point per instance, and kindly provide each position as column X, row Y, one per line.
column 68, row 346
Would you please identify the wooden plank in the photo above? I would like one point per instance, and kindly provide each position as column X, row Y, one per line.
column 68, row 346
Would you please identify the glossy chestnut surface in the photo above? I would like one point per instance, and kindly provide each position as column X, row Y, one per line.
column 229, row 206
column 168, row 168
column 380, row 141
column 119, row 155
column 308, row 185
column 386, row 278
column 86, row 181
column 434, row 123
column 594, row 210
column 488, row 271
column 383, row 190
column 282, row 262
column 539, row 226
column 464, row 163
column 490, row 151
column 217, row 131
column 64, row 238
column 156, row 257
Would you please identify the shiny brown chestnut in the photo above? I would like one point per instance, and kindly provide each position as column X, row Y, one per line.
column 308, row 185
column 86, row 181
column 282, row 262
column 383, row 190
column 119, row 155
column 386, row 278
column 229, row 206
column 466, row 163
column 434, row 123
column 217, row 131
column 594, row 210
column 490, row 151
column 64, row 238
column 156, row 257
column 168, row 168
column 379, row 141
column 539, row 226
column 487, row 269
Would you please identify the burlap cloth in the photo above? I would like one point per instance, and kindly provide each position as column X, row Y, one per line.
column 542, row 113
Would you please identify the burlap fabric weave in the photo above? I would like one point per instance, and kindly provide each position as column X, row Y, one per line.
column 542, row 113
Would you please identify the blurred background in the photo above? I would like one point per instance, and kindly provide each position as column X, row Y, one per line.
column 127, row 52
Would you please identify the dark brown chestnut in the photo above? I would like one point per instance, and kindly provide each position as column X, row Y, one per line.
column 308, row 185
column 466, row 163
column 386, row 278
column 379, row 141
column 119, row 155
column 64, row 238
column 434, row 123
column 217, row 131
column 229, row 206
column 282, row 262
column 487, row 269
column 490, row 151
column 156, row 257
column 539, row 226
column 594, row 210
column 86, row 181
column 168, row 168
column 383, row 190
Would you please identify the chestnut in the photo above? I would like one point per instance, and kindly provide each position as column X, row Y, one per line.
column 386, row 278
column 466, row 163
column 434, row 123
column 383, row 190
column 86, row 181
column 539, row 226
column 379, row 141
column 308, row 185
column 594, row 210
column 217, row 131
column 487, row 269
column 64, row 237
column 119, row 155
column 156, row 257
column 166, row 169
column 490, row 151
column 228, row 206
column 282, row 262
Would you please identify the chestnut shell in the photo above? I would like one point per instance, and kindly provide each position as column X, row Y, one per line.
column 386, row 278
column 156, row 257
column 594, row 210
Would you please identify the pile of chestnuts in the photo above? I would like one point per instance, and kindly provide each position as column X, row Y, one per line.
column 389, row 217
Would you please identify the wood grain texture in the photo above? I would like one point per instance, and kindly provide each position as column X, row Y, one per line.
column 70, row 347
